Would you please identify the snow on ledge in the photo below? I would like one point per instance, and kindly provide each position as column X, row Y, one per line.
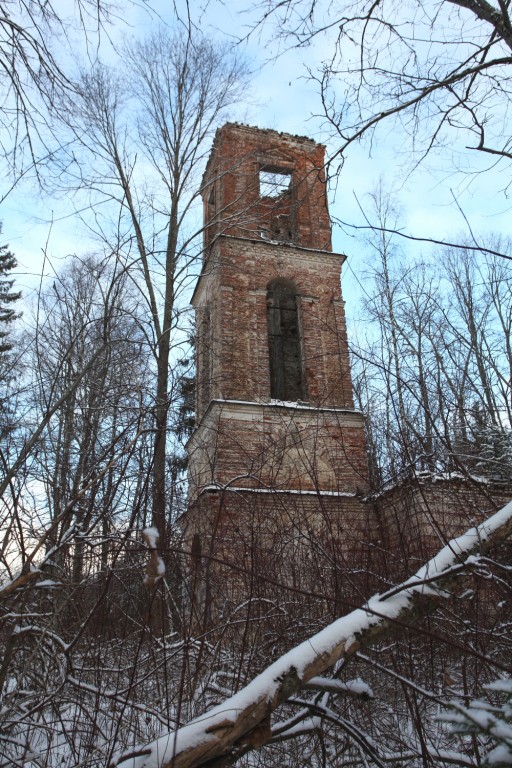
column 295, row 491
column 296, row 406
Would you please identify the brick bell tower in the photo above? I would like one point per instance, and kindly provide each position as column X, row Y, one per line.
column 277, row 463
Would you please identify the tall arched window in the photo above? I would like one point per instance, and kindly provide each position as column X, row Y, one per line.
column 284, row 342
column 204, row 361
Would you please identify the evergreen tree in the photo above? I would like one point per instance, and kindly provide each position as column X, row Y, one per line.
column 7, row 296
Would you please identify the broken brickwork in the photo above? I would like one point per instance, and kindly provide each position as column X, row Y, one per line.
column 278, row 454
column 420, row 514
column 279, row 524
column 266, row 185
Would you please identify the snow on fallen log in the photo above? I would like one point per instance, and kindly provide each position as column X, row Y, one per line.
column 245, row 717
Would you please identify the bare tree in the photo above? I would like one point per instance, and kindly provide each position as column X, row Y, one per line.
column 33, row 73
column 89, row 469
column 140, row 143
column 89, row 307
column 433, row 365
column 440, row 72
column 69, row 695
column 72, row 497
column 8, row 314
column 85, row 391
column 244, row 722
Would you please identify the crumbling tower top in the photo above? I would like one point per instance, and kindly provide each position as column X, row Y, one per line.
column 266, row 185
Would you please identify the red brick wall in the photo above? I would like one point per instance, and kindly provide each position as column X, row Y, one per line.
column 278, row 447
column 234, row 287
column 232, row 175
column 418, row 517
column 286, row 454
column 300, row 560
column 240, row 264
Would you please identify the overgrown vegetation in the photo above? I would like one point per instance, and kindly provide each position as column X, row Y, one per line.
column 95, row 406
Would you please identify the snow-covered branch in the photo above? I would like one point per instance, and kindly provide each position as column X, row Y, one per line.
column 244, row 719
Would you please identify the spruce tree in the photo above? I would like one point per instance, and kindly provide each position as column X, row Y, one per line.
column 8, row 314
column 7, row 297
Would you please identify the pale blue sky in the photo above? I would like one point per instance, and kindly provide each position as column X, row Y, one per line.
column 282, row 99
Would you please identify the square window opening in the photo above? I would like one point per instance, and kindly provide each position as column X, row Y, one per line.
column 274, row 183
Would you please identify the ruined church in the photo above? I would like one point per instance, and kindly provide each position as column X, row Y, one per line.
column 279, row 516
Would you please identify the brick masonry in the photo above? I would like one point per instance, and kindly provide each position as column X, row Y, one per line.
column 425, row 511
column 278, row 514
column 231, row 190
column 270, row 480
column 233, row 291
column 272, row 446
column 293, row 560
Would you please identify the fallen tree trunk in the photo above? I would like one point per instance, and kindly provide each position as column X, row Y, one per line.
column 243, row 720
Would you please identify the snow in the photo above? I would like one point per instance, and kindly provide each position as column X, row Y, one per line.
column 359, row 686
column 265, row 686
column 328, row 645
column 156, row 569
column 432, row 477
column 298, row 406
column 309, row 724
column 501, row 755
column 355, row 687
column 453, row 553
column 504, row 685
column 151, row 535
column 36, row 629
column 241, row 489
column 486, row 718
column 437, row 477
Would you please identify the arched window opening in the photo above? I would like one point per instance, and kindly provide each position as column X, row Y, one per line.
column 204, row 362
column 284, row 342
column 209, row 218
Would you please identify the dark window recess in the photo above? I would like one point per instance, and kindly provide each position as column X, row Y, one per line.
column 209, row 217
column 281, row 228
column 195, row 550
column 204, row 360
column 286, row 379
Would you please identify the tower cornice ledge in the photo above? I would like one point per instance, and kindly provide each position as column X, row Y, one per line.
column 218, row 488
column 232, row 408
column 280, row 244
column 265, row 244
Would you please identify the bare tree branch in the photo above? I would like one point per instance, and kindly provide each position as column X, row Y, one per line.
column 243, row 720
